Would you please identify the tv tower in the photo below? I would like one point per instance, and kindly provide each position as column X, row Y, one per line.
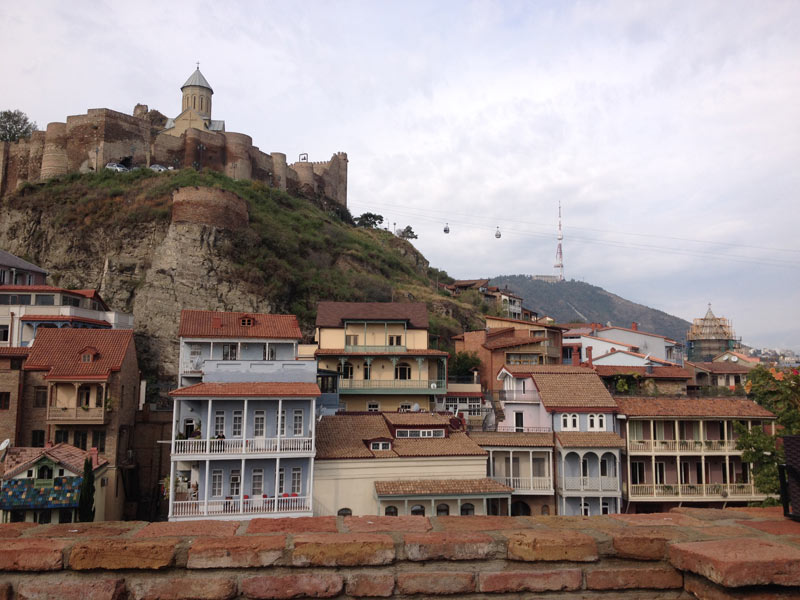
column 559, row 266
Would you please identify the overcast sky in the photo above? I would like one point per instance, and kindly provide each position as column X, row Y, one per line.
column 669, row 131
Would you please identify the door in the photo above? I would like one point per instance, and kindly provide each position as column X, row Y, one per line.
column 518, row 420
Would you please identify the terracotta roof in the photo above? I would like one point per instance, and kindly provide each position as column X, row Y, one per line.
column 445, row 487
column 546, row 369
column 19, row 459
column 538, row 322
column 464, row 395
column 724, row 406
column 719, row 367
column 14, row 352
column 240, row 390
column 664, row 372
column 470, row 283
column 333, row 314
column 589, row 439
column 407, row 352
column 638, row 355
column 59, row 351
column 346, row 436
column 65, row 319
column 399, row 419
column 565, row 386
column 523, row 440
column 510, row 343
column 211, row 324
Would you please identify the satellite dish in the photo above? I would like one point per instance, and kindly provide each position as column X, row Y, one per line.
column 3, row 448
column 415, row 407
column 734, row 358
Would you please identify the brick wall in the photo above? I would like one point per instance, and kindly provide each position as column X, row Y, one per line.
column 209, row 206
column 687, row 553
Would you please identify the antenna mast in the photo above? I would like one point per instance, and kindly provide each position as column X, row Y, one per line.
column 559, row 266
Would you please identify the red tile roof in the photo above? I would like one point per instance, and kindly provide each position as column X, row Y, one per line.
column 512, row 439
column 14, row 352
column 723, row 406
column 589, row 439
column 333, row 314
column 665, row 372
column 441, row 487
column 565, row 386
column 538, row 322
column 65, row 319
column 59, row 351
column 421, row 419
column 724, row 367
column 211, row 324
column 510, row 343
column 250, row 390
column 407, row 352
column 20, row 458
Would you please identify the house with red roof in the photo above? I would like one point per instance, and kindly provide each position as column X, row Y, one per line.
column 613, row 338
column 243, row 419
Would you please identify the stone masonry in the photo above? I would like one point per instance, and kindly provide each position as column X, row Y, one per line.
column 686, row 553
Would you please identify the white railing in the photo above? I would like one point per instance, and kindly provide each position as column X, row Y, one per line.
column 238, row 506
column 512, row 429
column 672, row 446
column 539, row 484
column 247, row 446
column 693, row 490
column 590, row 484
column 392, row 384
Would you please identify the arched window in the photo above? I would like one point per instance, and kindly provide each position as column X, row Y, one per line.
column 574, row 420
column 569, row 422
column 442, row 510
column 520, row 509
column 201, row 103
column 194, row 101
column 592, row 422
column 601, row 422
column 565, row 421
column 467, row 509
column 45, row 472
column 346, row 370
column 418, row 510
column 345, row 512
column 545, row 509
column 402, row 371
column 391, row 511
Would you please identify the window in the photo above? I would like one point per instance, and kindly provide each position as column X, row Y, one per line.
column 390, row 511
column 585, row 467
column 2, row 276
column 597, row 422
column 604, row 509
column 380, row 446
column 61, row 472
column 3, row 333
column 660, row 473
column 216, row 483
column 43, row 517
column 518, row 422
column 442, row 510
column 247, row 322
column 351, row 340
column 99, row 440
column 603, row 468
column 84, row 393
column 236, row 481
column 37, row 438
column 65, row 515
column 219, row 422
column 467, row 509
column 70, row 300
column 474, row 407
column 45, row 300
column 636, row 430
column 637, row 472
column 280, row 424
column 297, row 428
column 585, row 511
column 346, row 370
column 450, row 405
column 569, row 422
column 659, row 430
column 236, row 431
column 79, row 439
column 257, row 482
column 297, row 482
column 259, row 423
column 420, row 433
column 281, row 480
column 62, row 436
column 395, row 340
column 5, row 400
column 367, row 370
column 39, row 397
column 45, row 472
column 344, row 512
column 418, row 510
column 86, row 357
column 373, row 407
column 402, row 371
column 406, row 407
column 229, row 351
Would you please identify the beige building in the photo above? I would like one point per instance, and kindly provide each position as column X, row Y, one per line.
column 401, row 464
column 380, row 350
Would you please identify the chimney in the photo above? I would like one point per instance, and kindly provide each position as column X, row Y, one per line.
column 576, row 357
column 93, row 456
column 48, row 444
column 635, row 326
column 216, row 322
column 589, row 355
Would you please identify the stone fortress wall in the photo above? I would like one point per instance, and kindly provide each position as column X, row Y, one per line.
column 86, row 142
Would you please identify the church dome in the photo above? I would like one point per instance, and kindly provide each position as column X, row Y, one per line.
column 197, row 79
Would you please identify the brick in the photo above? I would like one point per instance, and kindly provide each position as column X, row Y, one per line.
column 370, row 585
column 378, row 524
column 735, row 562
column 192, row 587
column 783, row 527
column 530, row 581
column 239, row 551
column 123, row 554
column 479, row 523
column 32, row 555
column 645, row 543
column 301, row 585
column 293, row 525
column 188, row 529
column 103, row 589
column 99, row 529
column 342, row 549
column 436, row 583
column 447, row 546
column 651, row 519
column 12, row 530
column 548, row 545
column 758, row 512
column 705, row 590
column 627, row 578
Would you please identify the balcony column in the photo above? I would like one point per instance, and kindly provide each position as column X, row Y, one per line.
column 310, row 485
column 385, row 334
column 420, row 362
column 238, row 350
column 702, row 436
column 175, row 412
column 530, row 462
column 208, row 425
column 703, row 470
column 563, row 473
column 171, row 488
column 653, row 471
column 652, row 437
column 727, row 477
column 244, row 429
column 680, row 475
column 725, row 435
column 280, row 424
column 77, row 387
column 312, row 425
column 277, row 473
column 241, row 488
column 677, row 443
column 207, row 486
column 617, row 472
column 491, row 463
column 103, row 389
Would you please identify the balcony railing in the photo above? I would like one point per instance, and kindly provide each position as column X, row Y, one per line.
column 428, row 386
column 692, row 490
column 517, row 396
column 246, row 446
column 590, row 484
column 76, row 414
column 527, row 484
column 375, row 349
column 513, row 429
column 689, row 446
column 238, row 506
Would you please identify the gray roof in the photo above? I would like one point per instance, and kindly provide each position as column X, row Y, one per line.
column 9, row 260
column 197, row 79
column 216, row 125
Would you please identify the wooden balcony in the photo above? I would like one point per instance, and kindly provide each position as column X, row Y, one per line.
column 589, row 484
column 392, row 386
column 527, row 485
column 221, row 448
column 681, row 446
column 76, row 414
column 240, row 507
column 694, row 491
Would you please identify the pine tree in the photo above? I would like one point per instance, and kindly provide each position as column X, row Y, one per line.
column 86, row 498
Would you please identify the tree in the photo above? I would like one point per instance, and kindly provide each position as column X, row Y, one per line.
column 368, row 220
column 14, row 124
column 407, row 233
column 759, row 449
column 462, row 364
column 86, row 498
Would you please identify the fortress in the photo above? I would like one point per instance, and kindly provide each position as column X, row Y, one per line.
column 87, row 142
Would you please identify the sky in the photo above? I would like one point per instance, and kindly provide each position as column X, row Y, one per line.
column 669, row 132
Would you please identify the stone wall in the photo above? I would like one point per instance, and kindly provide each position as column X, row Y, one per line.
column 209, row 206
column 687, row 553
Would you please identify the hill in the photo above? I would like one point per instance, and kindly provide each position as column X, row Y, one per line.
column 576, row 301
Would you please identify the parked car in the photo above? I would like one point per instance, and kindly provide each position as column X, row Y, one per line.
column 158, row 168
column 116, row 167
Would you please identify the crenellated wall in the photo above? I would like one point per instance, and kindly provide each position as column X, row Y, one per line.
column 684, row 554
column 88, row 142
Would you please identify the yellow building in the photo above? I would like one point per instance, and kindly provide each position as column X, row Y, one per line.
column 380, row 350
